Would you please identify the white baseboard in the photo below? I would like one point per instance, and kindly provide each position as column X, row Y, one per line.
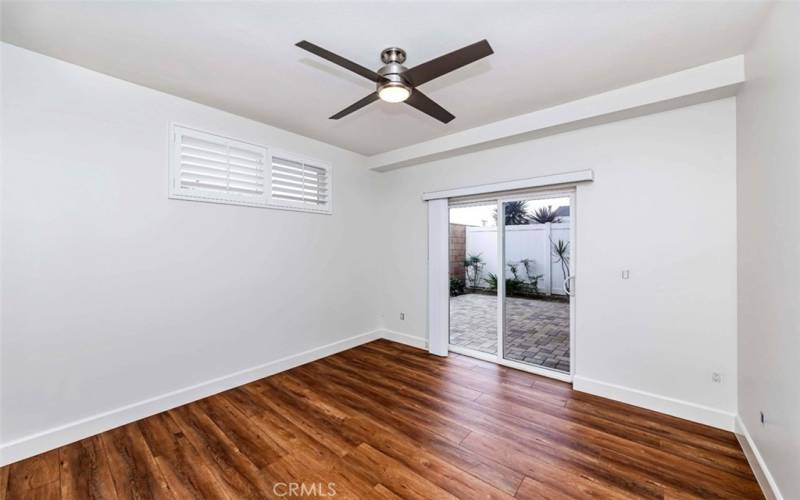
column 34, row 444
column 757, row 463
column 675, row 407
column 404, row 338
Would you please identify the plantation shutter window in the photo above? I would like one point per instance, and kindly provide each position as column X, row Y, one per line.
column 214, row 168
column 300, row 183
column 217, row 169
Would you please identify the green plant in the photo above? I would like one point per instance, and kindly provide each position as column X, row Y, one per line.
column 456, row 287
column 513, row 268
column 473, row 265
column 516, row 213
column 533, row 279
column 561, row 254
column 513, row 285
column 543, row 215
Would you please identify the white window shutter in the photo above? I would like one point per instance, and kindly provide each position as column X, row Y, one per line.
column 299, row 183
column 209, row 167
column 217, row 169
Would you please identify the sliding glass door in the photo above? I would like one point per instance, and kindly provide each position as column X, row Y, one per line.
column 473, row 257
column 512, row 281
column 536, row 244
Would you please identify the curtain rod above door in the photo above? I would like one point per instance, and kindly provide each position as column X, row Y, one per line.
column 531, row 182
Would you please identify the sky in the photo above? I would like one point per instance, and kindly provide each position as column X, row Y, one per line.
column 483, row 215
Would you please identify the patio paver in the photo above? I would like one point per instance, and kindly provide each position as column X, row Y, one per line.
column 538, row 330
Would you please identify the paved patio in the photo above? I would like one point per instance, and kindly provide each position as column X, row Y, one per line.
column 538, row 330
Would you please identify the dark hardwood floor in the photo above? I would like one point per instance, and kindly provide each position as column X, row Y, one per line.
column 385, row 421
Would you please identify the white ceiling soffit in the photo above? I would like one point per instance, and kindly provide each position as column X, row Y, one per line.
column 692, row 86
column 240, row 56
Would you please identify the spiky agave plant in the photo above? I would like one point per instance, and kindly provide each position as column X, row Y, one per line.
column 561, row 253
column 516, row 213
column 543, row 215
column 473, row 264
column 533, row 278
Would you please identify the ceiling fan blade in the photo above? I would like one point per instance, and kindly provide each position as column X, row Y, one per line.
column 423, row 103
column 341, row 61
column 355, row 106
column 435, row 68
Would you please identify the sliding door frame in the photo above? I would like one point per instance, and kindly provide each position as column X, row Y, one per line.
column 567, row 181
column 498, row 356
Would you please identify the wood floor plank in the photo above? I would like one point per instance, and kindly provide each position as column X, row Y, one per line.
column 179, row 462
column 133, row 468
column 48, row 491
column 237, row 475
column 310, row 461
column 395, row 476
column 505, row 408
column 557, row 473
column 653, row 462
column 256, row 446
column 328, row 476
column 416, row 457
column 3, row 482
column 479, row 381
column 414, row 378
column 420, row 431
column 385, row 420
column 446, row 366
column 325, row 432
column 533, row 489
column 665, row 425
column 419, row 459
column 407, row 406
column 85, row 472
column 36, row 476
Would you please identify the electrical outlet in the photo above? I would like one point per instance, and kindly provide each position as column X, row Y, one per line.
column 402, row 316
column 763, row 418
column 716, row 377
column 626, row 274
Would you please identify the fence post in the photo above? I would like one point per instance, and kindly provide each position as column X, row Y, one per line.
column 548, row 265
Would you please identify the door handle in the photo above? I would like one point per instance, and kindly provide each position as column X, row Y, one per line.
column 567, row 288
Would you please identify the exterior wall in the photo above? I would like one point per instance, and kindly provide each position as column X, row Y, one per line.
column 458, row 249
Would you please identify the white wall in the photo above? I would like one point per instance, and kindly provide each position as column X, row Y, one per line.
column 113, row 293
column 669, row 182
column 769, row 246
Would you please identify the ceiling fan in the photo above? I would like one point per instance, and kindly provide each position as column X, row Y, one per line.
column 396, row 83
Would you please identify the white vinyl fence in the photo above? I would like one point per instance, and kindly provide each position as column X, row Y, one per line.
column 532, row 241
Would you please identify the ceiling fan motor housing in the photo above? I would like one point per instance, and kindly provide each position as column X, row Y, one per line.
column 393, row 70
column 393, row 54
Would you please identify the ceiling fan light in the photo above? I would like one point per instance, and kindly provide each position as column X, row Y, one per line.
column 394, row 92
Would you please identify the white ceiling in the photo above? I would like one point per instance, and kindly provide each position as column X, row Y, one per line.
column 241, row 57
